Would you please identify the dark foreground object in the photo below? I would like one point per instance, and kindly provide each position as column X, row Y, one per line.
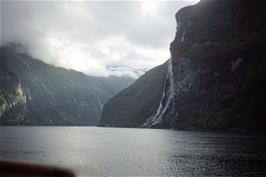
column 19, row 169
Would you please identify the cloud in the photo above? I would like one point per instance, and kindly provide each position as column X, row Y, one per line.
column 89, row 36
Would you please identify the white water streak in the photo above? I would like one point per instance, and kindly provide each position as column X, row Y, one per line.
column 162, row 109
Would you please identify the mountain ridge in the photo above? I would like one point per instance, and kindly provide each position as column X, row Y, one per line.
column 137, row 91
column 215, row 77
column 35, row 93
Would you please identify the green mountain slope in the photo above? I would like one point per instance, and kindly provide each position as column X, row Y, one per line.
column 35, row 93
column 132, row 106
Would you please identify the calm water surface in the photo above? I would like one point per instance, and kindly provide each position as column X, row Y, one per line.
column 137, row 152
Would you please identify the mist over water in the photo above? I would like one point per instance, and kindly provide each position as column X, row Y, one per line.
column 136, row 152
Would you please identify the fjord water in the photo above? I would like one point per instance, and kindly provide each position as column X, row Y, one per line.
column 137, row 152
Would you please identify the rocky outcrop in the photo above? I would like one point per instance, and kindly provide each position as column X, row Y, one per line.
column 218, row 63
column 35, row 93
column 216, row 75
column 12, row 98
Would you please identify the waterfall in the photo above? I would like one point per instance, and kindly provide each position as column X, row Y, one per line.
column 167, row 97
column 175, row 85
column 100, row 104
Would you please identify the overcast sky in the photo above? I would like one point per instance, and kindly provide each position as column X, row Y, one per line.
column 88, row 36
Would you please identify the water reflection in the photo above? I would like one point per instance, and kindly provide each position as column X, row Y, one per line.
column 137, row 152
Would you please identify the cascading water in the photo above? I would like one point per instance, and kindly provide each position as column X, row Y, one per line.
column 175, row 86
column 167, row 97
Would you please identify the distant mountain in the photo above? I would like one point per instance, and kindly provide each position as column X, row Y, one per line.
column 215, row 79
column 132, row 106
column 121, row 70
column 35, row 93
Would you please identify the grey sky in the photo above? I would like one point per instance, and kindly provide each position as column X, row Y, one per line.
column 90, row 35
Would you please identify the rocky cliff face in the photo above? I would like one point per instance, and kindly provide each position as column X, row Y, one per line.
column 34, row 93
column 12, row 98
column 216, row 75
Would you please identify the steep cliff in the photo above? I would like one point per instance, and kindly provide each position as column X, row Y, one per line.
column 12, row 98
column 216, row 75
column 35, row 93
